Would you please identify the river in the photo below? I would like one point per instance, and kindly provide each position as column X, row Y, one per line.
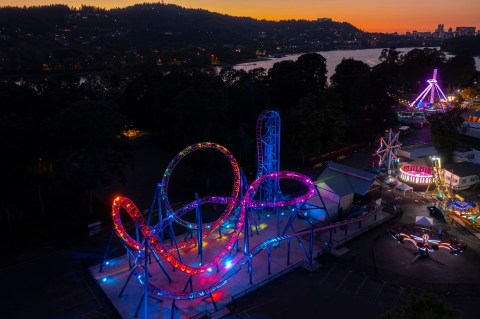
column 369, row 56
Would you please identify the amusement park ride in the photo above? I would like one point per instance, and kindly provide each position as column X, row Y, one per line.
column 434, row 91
column 430, row 100
column 432, row 177
column 425, row 244
column 422, row 238
column 208, row 271
column 469, row 211
column 387, row 152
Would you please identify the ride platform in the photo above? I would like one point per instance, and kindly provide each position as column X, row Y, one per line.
column 266, row 266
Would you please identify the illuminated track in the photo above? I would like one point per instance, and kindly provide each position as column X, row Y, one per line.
column 245, row 203
column 268, row 151
column 159, row 248
column 207, row 228
column 230, row 273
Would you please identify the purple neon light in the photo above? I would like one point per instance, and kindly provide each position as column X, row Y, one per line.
column 237, row 266
column 158, row 247
column 230, row 202
column 433, row 89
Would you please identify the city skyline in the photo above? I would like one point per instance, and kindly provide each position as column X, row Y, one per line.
column 368, row 15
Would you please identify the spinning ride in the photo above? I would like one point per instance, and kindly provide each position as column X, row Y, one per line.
column 425, row 244
column 433, row 91
column 416, row 174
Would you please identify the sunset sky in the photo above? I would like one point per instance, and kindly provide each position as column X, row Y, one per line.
column 368, row 15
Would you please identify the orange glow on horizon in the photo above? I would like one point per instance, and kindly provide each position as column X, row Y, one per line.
column 368, row 15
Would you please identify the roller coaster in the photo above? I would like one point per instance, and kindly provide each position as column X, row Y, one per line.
column 456, row 205
column 261, row 194
column 268, row 152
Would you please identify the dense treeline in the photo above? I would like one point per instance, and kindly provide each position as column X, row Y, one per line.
column 62, row 136
column 459, row 45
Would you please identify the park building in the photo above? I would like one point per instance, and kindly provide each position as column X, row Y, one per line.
column 461, row 176
column 344, row 190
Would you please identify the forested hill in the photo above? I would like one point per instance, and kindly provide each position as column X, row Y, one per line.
column 59, row 37
column 168, row 24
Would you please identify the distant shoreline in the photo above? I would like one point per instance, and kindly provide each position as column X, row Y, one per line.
column 335, row 55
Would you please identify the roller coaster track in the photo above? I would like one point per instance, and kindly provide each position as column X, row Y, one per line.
column 268, row 151
column 150, row 234
column 156, row 244
column 266, row 185
column 230, row 273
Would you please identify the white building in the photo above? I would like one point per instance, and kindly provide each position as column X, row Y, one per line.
column 460, row 176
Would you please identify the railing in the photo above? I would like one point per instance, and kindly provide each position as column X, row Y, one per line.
column 266, row 280
column 201, row 314
column 324, row 237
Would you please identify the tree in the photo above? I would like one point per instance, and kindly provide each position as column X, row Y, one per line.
column 460, row 70
column 347, row 74
column 290, row 81
column 366, row 104
column 312, row 70
column 427, row 306
column 315, row 124
column 285, row 85
column 418, row 64
column 85, row 145
column 389, row 56
column 445, row 134
column 388, row 69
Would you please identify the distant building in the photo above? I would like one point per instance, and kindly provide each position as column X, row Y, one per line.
column 465, row 31
column 450, row 32
column 439, row 32
column 460, row 176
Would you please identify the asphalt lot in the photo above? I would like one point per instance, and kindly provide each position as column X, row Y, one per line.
column 49, row 283
column 375, row 275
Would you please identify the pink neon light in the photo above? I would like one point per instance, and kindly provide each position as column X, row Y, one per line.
column 416, row 174
column 247, row 201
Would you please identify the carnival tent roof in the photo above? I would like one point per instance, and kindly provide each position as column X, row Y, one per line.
column 404, row 187
column 344, row 180
column 423, row 221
